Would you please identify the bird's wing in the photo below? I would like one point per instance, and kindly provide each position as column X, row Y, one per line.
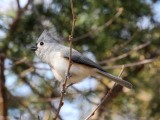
column 79, row 58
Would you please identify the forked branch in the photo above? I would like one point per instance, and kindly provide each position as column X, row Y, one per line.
column 107, row 96
column 69, row 65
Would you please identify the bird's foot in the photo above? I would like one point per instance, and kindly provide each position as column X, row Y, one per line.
column 68, row 75
column 63, row 91
column 62, row 88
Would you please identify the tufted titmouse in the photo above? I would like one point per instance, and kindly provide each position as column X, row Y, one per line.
column 57, row 56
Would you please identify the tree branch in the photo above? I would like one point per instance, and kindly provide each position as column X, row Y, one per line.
column 123, row 45
column 131, row 64
column 3, row 101
column 70, row 62
column 18, row 4
column 106, row 24
column 125, row 54
column 19, row 14
column 107, row 96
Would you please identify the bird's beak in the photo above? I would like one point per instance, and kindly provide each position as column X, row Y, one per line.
column 34, row 48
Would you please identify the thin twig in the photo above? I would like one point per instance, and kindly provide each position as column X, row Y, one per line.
column 106, row 97
column 146, row 61
column 18, row 4
column 125, row 54
column 106, row 24
column 123, row 45
column 80, row 92
column 19, row 14
column 70, row 63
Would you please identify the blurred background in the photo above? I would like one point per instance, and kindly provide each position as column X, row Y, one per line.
column 112, row 33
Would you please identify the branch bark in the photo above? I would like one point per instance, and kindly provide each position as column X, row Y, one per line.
column 104, row 62
column 3, row 104
column 70, row 62
column 108, row 96
column 18, row 4
column 19, row 14
column 146, row 61
column 106, row 24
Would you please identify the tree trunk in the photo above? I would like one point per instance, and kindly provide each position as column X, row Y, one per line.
column 3, row 106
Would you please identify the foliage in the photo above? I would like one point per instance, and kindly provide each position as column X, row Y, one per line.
column 103, row 41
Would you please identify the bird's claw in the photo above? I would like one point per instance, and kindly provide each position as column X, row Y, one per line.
column 63, row 91
column 68, row 75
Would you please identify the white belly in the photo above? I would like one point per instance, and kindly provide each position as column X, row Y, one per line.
column 59, row 67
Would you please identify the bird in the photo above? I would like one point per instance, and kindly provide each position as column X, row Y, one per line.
column 50, row 50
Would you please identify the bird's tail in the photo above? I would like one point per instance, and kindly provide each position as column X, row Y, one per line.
column 116, row 79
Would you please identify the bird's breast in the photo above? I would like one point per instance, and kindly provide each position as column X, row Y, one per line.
column 59, row 66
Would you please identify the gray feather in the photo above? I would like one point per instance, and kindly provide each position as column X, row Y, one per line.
column 79, row 58
column 116, row 79
column 49, row 36
column 54, row 46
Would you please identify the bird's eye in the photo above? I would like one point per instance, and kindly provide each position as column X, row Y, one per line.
column 41, row 43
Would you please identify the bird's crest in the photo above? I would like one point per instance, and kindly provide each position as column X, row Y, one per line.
column 49, row 36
